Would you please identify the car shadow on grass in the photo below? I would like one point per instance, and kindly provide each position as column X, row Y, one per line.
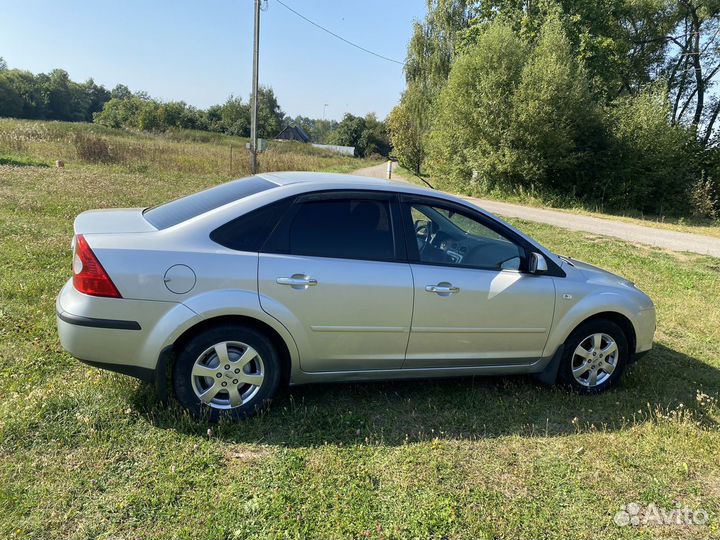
column 397, row 412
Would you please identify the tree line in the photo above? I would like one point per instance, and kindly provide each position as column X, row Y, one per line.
column 54, row 96
column 611, row 102
column 51, row 96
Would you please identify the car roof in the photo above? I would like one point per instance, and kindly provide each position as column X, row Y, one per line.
column 296, row 177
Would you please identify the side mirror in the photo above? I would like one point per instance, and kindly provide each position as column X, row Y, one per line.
column 537, row 264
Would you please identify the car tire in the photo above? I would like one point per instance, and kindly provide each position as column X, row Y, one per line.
column 226, row 371
column 594, row 357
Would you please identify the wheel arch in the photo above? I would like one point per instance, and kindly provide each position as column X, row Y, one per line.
column 605, row 305
column 618, row 318
column 549, row 374
column 169, row 353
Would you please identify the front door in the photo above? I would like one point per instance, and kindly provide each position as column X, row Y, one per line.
column 473, row 303
column 334, row 274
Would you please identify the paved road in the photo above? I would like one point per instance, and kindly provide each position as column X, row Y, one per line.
column 638, row 234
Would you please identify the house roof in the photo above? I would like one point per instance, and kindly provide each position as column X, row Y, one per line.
column 294, row 133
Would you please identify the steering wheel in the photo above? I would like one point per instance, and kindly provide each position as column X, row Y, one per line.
column 423, row 233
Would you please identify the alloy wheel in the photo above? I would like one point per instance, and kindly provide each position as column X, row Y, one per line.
column 227, row 375
column 594, row 360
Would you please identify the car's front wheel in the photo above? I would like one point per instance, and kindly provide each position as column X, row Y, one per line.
column 594, row 357
column 228, row 370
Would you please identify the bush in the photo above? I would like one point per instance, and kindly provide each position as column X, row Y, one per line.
column 704, row 199
column 91, row 148
column 651, row 165
column 518, row 118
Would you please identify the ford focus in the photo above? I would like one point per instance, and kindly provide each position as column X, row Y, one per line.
column 222, row 296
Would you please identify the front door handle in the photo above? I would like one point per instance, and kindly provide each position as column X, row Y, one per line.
column 443, row 288
column 297, row 281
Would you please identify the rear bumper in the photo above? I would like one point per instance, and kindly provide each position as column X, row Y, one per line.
column 90, row 322
column 122, row 335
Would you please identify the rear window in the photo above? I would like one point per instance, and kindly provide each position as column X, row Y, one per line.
column 169, row 214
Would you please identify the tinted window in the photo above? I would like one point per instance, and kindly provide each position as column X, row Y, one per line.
column 450, row 237
column 343, row 228
column 179, row 210
column 248, row 232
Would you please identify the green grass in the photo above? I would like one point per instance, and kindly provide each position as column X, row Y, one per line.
column 21, row 161
column 86, row 453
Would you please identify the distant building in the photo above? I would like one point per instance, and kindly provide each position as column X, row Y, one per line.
column 293, row 133
column 344, row 150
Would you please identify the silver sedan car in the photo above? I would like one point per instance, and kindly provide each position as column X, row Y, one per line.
column 224, row 295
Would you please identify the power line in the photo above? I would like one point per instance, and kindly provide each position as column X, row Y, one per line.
column 337, row 36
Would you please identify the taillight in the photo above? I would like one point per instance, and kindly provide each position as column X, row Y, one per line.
column 89, row 277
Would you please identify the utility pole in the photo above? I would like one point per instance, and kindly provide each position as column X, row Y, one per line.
column 324, row 107
column 254, row 110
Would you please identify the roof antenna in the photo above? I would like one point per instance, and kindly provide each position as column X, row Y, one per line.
column 421, row 178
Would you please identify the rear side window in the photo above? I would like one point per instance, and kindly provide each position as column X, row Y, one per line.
column 249, row 231
column 342, row 228
column 170, row 214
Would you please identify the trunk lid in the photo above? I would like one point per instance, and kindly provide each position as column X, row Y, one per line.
column 115, row 220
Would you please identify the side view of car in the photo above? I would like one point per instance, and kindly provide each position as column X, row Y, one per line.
column 226, row 294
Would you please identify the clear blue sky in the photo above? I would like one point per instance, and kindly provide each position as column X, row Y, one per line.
column 201, row 51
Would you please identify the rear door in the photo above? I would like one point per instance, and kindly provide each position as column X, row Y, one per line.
column 333, row 273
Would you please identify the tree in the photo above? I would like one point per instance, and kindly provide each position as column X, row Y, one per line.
column 432, row 45
column 555, row 129
column 431, row 53
column 270, row 115
column 97, row 96
column 235, row 117
column 693, row 63
column 11, row 103
column 55, row 85
column 34, row 98
column 469, row 139
column 349, row 131
column 121, row 92
column 368, row 135
column 408, row 124
column 321, row 130
column 122, row 113
column 3, row 64
column 374, row 139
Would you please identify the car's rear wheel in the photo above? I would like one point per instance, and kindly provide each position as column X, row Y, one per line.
column 594, row 357
column 226, row 370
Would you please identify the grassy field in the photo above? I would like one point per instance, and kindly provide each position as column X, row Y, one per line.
column 89, row 454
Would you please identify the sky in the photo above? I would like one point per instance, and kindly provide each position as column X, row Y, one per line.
column 200, row 51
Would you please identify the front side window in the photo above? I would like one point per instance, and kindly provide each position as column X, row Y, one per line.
column 446, row 236
column 342, row 228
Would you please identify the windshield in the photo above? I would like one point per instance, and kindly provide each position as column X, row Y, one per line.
column 170, row 214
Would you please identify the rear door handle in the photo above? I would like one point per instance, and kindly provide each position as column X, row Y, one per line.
column 297, row 281
column 443, row 288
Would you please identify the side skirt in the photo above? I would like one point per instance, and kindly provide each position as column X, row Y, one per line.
column 529, row 367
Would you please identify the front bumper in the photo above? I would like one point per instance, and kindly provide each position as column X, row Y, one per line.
column 645, row 324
